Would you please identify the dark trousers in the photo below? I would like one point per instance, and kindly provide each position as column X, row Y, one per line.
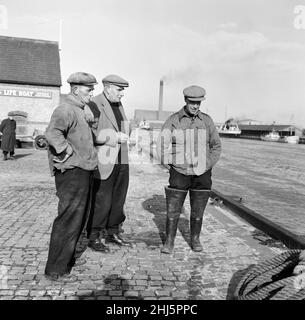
column 180, row 181
column 11, row 153
column 108, row 198
column 73, row 191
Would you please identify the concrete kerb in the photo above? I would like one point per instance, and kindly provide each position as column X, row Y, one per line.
column 291, row 240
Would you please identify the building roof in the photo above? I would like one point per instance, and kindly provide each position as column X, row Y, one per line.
column 29, row 61
column 263, row 127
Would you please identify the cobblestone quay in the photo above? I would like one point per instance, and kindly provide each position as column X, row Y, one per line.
column 28, row 206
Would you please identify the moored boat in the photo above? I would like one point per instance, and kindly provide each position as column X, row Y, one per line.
column 272, row 136
column 144, row 125
column 229, row 128
column 292, row 139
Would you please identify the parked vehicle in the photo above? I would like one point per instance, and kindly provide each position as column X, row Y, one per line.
column 26, row 131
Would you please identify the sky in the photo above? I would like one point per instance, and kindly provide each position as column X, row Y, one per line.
column 248, row 55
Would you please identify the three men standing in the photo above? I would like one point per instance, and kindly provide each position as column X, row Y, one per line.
column 110, row 183
column 72, row 158
column 189, row 145
column 92, row 143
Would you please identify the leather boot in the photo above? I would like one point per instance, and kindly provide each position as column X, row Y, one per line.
column 96, row 244
column 174, row 202
column 198, row 199
column 4, row 157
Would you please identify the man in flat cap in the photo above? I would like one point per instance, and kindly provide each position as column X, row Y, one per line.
column 8, row 131
column 110, row 182
column 72, row 158
column 189, row 146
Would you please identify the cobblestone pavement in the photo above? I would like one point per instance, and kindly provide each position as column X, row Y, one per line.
column 28, row 206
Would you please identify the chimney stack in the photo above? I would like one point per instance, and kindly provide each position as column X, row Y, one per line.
column 160, row 100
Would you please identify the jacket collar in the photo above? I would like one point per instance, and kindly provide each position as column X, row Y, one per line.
column 108, row 110
column 71, row 98
column 183, row 113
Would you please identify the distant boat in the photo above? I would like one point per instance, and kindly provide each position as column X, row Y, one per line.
column 229, row 128
column 272, row 136
column 144, row 125
column 292, row 139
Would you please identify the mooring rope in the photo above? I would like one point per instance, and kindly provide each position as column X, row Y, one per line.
column 279, row 278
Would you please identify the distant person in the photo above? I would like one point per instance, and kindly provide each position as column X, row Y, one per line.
column 189, row 145
column 72, row 160
column 8, row 140
column 110, row 182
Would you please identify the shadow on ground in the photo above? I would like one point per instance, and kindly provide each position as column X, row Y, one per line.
column 115, row 288
column 19, row 156
column 157, row 206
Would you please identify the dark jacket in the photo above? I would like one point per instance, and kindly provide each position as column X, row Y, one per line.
column 191, row 145
column 69, row 130
column 8, row 140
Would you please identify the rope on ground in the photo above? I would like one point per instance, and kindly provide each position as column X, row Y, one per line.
column 279, row 278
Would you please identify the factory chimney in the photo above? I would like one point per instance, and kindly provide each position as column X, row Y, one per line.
column 160, row 100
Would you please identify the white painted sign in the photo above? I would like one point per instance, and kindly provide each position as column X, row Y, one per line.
column 26, row 93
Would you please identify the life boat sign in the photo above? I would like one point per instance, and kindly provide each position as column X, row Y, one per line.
column 26, row 93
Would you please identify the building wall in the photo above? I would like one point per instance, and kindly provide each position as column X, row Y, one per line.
column 39, row 109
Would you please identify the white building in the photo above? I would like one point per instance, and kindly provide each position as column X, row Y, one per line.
column 30, row 81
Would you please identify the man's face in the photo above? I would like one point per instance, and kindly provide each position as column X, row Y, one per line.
column 115, row 93
column 192, row 107
column 84, row 93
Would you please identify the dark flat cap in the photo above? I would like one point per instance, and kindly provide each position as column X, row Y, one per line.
column 116, row 80
column 194, row 93
column 82, row 78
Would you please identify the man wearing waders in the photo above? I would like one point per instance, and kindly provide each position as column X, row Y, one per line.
column 189, row 146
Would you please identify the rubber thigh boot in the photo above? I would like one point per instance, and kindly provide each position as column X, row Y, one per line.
column 198, row 200
column 174, row 202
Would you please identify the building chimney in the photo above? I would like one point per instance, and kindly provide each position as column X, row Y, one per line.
column 160, row 100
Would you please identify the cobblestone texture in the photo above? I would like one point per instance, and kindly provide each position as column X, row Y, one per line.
column 28, row 206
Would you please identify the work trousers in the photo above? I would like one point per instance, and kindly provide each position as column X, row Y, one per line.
column 108, row 199
column 180, row 181
column 73, row 191
column 6, row 153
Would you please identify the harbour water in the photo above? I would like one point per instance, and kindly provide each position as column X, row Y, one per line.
column 269, row 176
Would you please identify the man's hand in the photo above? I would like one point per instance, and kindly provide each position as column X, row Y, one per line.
column 58, row 160
column 64, row 155
column 122, row 137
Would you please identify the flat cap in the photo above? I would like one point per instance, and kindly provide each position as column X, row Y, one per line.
column 116, row 80
column 82, row 78
column 194, row 93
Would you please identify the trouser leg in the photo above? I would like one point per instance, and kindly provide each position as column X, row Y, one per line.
column 5, row 155
column 81, row 245
column 199, row 196
column 73, row 188
column 120, row 188
column 175, row 196
column 174, row 202
column 100, row 208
